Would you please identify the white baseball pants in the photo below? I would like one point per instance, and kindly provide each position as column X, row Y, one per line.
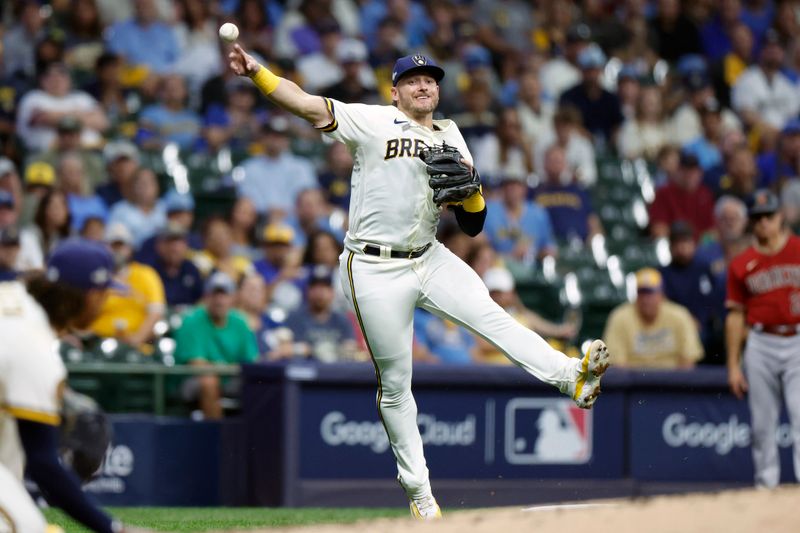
column 384, row 293
column 18, row 513
column 772, row 367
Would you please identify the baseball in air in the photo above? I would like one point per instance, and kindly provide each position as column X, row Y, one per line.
column 228, row 32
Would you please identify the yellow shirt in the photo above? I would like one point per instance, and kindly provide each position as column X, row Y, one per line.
column 235, row 266
column 671, row 337
column 125, row 310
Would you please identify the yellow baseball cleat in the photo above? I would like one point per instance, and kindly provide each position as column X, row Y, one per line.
column 593, row 365
column 425, row 509
column 52, row 528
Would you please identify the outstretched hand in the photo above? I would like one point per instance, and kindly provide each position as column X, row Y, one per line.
column 241, row 62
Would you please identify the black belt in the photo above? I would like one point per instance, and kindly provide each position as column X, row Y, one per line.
column 397, row 254
column 783, row 330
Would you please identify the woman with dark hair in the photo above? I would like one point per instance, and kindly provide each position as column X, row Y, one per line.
column 254, row 28
column 52, row 221
column 322, row 248
column 84, row 39
column 196, row 32
column 219, row 253
column 243, row 220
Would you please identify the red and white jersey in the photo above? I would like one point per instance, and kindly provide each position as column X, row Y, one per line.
column 31, row 372
column 767, row 286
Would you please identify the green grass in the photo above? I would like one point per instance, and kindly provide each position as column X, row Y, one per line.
column 219, row 518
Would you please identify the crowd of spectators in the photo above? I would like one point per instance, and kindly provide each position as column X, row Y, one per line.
column 109, row 108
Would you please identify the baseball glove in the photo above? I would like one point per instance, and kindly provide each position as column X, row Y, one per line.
column 450, row 178
column 85, row 434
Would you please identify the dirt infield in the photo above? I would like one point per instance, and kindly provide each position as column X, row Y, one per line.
column 746, row 511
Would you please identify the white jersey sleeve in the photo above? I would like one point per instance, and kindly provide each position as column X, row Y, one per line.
column 31, row 371
column 352, row 124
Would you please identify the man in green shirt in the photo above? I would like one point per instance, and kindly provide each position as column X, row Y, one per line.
column 214, row 333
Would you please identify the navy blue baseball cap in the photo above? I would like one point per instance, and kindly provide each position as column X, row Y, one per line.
column 82, row 264
column 320, row 274
column 763, row 202
column 407, row 64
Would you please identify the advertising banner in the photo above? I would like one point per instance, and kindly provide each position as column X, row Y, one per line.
column 159, row 461
column 696, row 437
column 467, row 434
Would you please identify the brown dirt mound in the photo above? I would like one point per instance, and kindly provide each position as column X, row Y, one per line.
column 745, row 511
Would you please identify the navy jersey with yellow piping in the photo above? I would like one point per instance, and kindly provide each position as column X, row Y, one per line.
column 391, row 203
column 31, row 372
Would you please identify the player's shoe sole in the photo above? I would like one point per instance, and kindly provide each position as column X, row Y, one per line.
column 593, row 366
column 429, row 511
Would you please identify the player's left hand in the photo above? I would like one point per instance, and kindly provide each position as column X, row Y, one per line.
column 451, row 177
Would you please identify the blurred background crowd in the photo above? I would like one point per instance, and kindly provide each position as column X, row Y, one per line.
column 619, row 142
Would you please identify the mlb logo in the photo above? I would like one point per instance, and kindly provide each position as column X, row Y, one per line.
column 547, row 431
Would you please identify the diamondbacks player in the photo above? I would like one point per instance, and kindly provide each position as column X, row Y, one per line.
column 392, row 262
column 764, row 298
column 32, row 380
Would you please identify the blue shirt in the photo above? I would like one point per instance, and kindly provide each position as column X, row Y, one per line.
column 416, row 28
column 154, row 46
column 449, row 342
column 320, row 334
column 691, row 286
column 568, row 206
column 147, row 249
column 601, row 116
column 267, row 270
column 323, row 224
column 110, row 193
column 772, row 170
column 273, row 183
column 264, row 338
column 707, row 152
column 716, row 42
column 532, row 227
column 181, row 127
column 712, row 254
column 184, row 288
column 141, row 225
column 82, row 208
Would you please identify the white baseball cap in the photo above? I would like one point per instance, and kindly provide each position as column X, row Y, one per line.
column 498, row 279
column 118, row 232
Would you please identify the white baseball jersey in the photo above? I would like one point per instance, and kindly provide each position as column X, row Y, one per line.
column 391, row 205
column 32, row 374
column 391, row 202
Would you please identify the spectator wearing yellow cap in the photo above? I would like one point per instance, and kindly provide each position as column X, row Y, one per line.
column 652, row 331
column 276, row 242
column 40, row 178
column 280, row 265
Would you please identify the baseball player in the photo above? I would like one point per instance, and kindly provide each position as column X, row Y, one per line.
column 392, row 262
column 32, row 381
column 764, row 298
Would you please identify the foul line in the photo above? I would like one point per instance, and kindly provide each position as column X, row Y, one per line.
column 567, row 506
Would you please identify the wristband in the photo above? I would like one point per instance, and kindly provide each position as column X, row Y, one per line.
column 474, row 203
column 265, row 80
